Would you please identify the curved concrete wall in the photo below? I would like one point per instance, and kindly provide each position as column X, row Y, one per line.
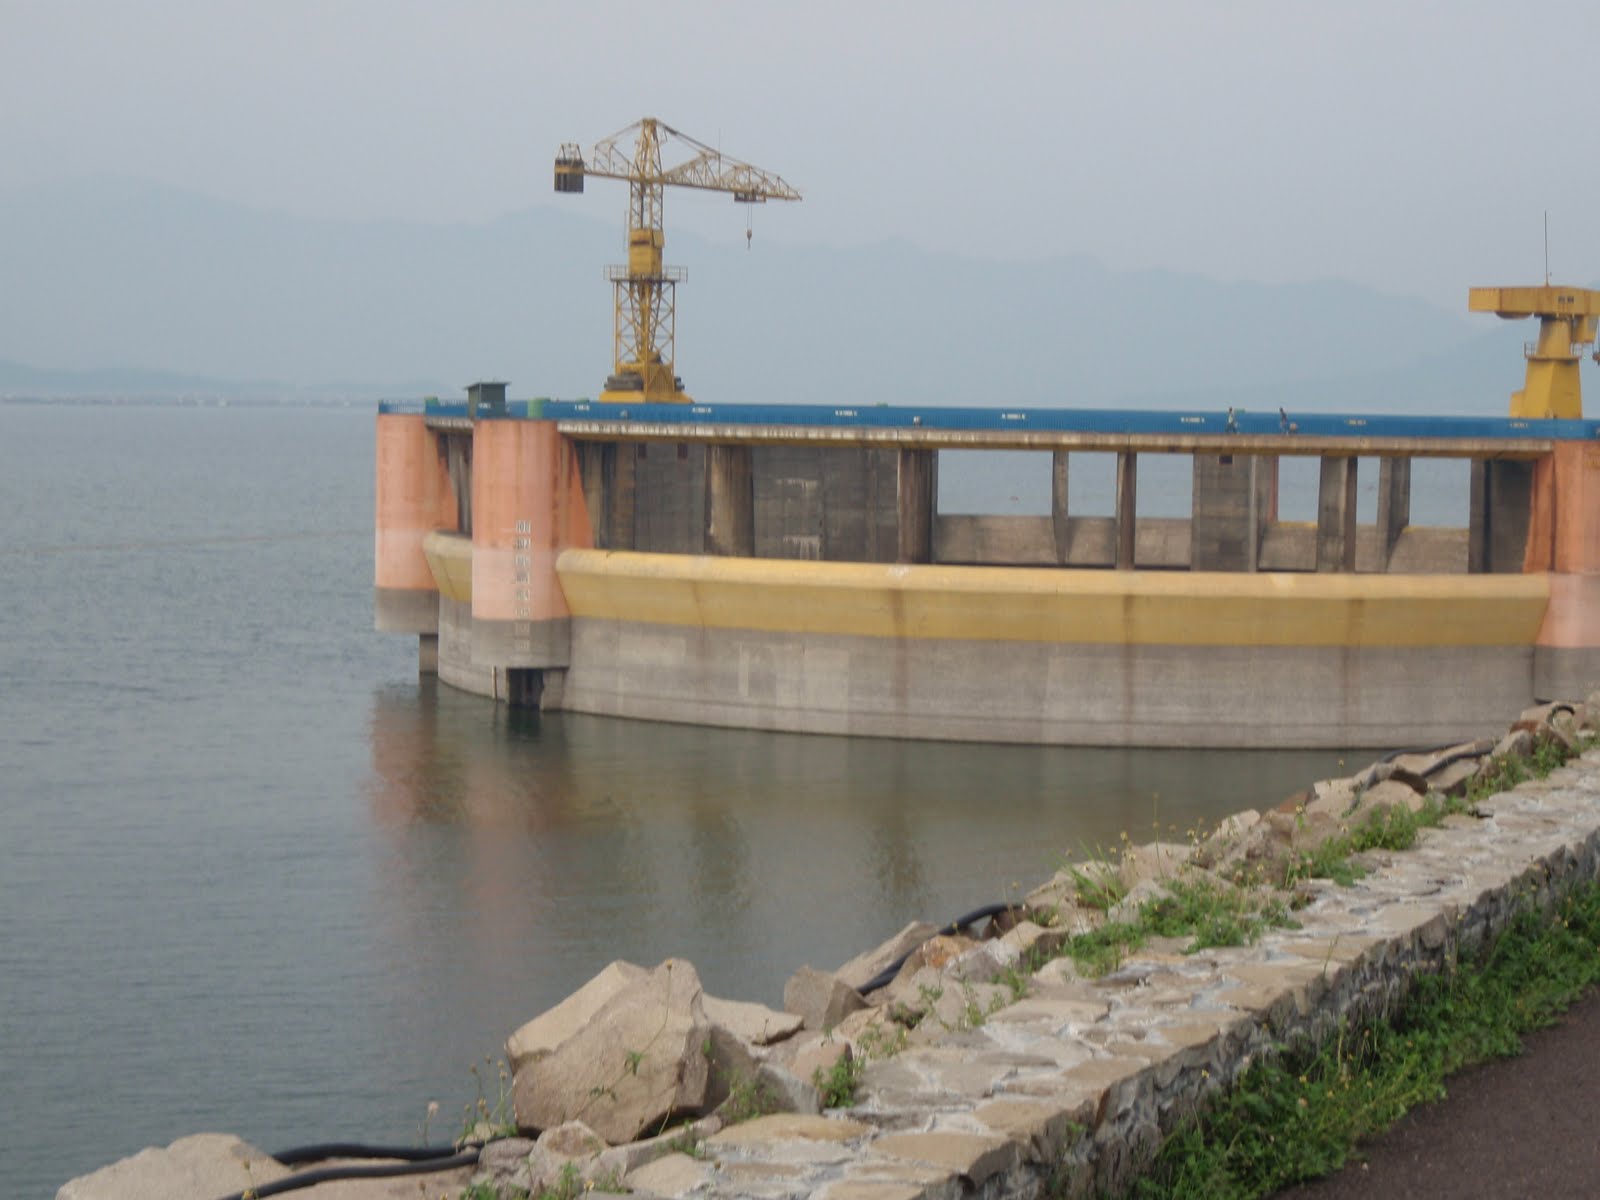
column 1071, row 657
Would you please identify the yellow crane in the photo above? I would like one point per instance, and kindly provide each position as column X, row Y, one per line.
column 646, row 291
column 1569, row 318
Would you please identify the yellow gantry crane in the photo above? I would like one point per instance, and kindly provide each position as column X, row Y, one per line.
column 646, row 291
column 1569, row 318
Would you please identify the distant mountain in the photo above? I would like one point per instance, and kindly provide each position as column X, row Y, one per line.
column 116, row 273
column 23, row 380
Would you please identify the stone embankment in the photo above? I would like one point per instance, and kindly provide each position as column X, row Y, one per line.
column 1051, row 1054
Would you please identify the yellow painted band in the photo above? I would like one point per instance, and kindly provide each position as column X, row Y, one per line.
column 1054, row 606
column 449, row 558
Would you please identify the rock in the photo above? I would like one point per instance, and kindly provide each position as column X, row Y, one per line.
column 1306, row 832
column 618, row 1161
column 1516, row 744
column 985, row 962
column 1380, row 771
column 1229, row 834
column 1127, row 909
column 547, row 1031
column 940, row 950
column 1432, row 763
column 635, row 1064
column 670, row 1175
column 868, row 1031
column 820, row 999
column 733, row 1066
column 1539, row 714
column 1563, row 725
column 822, row 1055
column 962, row 1006
column 1154, row 860
column 1334, row 799
column 909, row 996
column 507, row 1164
column 568, row 1150
column 1058, row 972
column 1391, row 793
column 200, row 1167
column 1060, row 891
column 1453, row 779
column 1030, row 938
column 1260, row 854
column 787, row 1091
column 753, row 1023
column 789, row 1128
column 864, row 967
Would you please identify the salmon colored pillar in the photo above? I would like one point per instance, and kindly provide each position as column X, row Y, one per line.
column 527, row 506
column 413, row 498
column 1564, row 539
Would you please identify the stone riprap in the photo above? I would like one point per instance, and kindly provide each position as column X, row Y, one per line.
column 980, row 1072
column 997, row 1067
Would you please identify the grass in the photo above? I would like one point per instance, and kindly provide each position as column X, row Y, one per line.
column 1300, row 1116
column 748, row 1098
column 1209, row 914
column 838, row 1085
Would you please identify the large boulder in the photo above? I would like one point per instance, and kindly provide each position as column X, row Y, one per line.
column 548, row 1030
column 200, row 1167
column 821, row 1000
column 638, row 1061
column 865, row 967
column 753, row 1023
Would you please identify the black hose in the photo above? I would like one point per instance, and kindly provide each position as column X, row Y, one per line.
column 885, row 976
column 449, row 1159
column 322, row 1151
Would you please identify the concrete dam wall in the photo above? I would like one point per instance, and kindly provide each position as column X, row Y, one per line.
column 797, row 574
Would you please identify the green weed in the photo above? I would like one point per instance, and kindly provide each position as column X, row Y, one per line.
column 838, row 1084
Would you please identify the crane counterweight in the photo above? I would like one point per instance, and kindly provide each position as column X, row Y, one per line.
column 646, row 289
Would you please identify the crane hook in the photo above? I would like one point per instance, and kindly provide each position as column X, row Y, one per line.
column 749, row 225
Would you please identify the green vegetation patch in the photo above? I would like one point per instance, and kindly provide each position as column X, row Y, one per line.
column 1299, row 1116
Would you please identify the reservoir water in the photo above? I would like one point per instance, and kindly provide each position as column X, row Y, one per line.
column 256, row 877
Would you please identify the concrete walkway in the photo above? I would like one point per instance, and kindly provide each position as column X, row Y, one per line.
column 1517, row 1127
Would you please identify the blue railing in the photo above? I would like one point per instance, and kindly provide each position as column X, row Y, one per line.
column 1075, row 420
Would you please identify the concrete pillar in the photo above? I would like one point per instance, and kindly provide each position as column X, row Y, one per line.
column 730, row 502
column 528, row 506
column 596, row 464
column 413, row 498
column 1127, row 507
column 1336, row 515
column 1225, row 512
column 1501, row 504
column 458, row 459
column 1394, row 502
column 915, row 493
column 1564, row 539
column 620, row 471
column 1060, row 521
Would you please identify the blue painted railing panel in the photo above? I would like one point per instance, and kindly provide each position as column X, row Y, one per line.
column 1075, row 420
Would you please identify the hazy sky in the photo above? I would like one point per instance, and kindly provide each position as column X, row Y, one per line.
column 1411, row 146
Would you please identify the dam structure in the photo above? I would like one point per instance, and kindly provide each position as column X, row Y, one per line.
column 789, row 568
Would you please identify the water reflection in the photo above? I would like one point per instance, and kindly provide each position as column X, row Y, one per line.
column 558, row 844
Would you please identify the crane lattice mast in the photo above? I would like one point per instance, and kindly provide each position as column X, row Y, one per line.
column 645, row 289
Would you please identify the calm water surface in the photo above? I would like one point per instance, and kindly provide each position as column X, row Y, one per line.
column 255, row 877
